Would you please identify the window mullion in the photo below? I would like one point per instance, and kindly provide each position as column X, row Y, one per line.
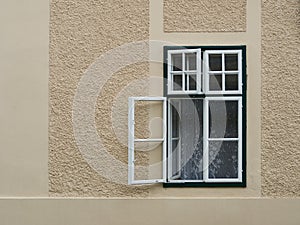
column 223, row 72
column 183, row 71
column 198, row 67
column 240, row 135
column 170, row 77
column 205, row 73
column 164, row 150
column 130, row 140
column 205, row 139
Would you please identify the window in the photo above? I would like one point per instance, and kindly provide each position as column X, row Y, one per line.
column 203, row 140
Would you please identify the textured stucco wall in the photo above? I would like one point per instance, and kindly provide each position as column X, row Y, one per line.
column 205, row 15
column 80, row 31
column 280, row 98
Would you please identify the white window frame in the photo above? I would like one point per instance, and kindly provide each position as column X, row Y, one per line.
column 184, row 72
column 132, row 140
column 202, row 90
column 207, row 72
column 206, row 139
column 170, row 141
column 172, row 179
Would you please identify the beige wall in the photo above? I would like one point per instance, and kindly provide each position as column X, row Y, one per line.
column 205, row 16
column 280, row 98
column 24, row 117
column 24, row 73
column 82, row 35
column 146, row 212
column 251, row 38
column 77, row 39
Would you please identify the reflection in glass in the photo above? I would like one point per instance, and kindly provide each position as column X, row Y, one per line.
column 187, row 123
column 190, row 61
column 223, row 159
column 223, row 119
column 191, row 136
column 192, row 82
column 215, row 62
column 231, row 62
column 176, row 62
column 231, row 82
column 215, row 82
column 177, row 82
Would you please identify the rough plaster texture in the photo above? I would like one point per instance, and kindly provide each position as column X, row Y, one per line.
column 80, row 31
column 205, row 15
column 280, row 98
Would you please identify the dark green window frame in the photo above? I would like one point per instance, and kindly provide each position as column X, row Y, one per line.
column 244, row 112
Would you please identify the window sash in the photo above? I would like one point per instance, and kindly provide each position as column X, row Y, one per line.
column 184, row 72
column 202, row 80
column 132, row 140
column 223, row 72
column 206, row 139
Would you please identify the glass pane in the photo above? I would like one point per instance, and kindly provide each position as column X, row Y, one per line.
column 223, row 159
column 148, row 125
column 177, row 82
column 215, row 62
column 175, row 119
column 174, row 126
column 176, row 62
column 231, row 62
column 192, row 82
column 190, row 143
column 175, row 158
column 148, row 160
column 191, row 136
column 141, row 117
column 231, row 82
column 190, row 61
column 215, row 82
column 223, row 119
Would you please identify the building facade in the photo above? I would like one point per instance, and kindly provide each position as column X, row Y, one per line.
column 68, row 69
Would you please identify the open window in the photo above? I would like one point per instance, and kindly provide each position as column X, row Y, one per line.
column 204, row 134
column 146, row 149
column 184, row 71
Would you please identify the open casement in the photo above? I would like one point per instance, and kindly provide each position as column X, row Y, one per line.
column 222, row 71
column 184, row 71
column 146, row 155
column 185, row 138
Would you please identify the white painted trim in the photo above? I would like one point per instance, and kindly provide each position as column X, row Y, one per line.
column 186, row 181
column 222, row 180
column 148, row 181
column 184, row 72
column 149, row 140
column 223, row 139
column 240, row 135
column 207, row 72
column 198, row 75
column 206, row 139
column 132, row 140
column 170, row 139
